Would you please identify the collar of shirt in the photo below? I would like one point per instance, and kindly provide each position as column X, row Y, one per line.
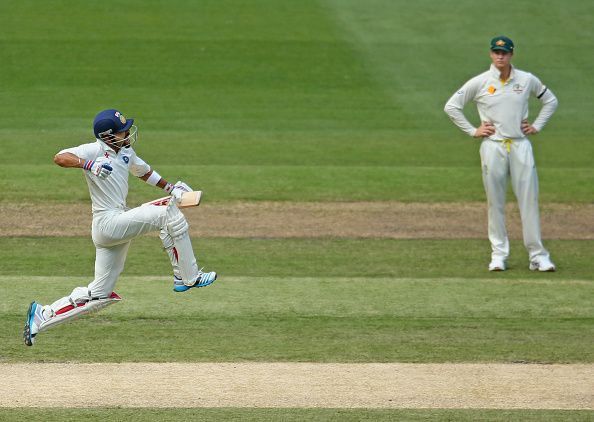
column 106, row 148
column 497, row 74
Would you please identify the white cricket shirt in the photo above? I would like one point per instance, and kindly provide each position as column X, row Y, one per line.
column 505, row 104
column 109, row 193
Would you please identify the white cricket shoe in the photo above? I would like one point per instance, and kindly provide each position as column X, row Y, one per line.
column 497, row 264
column 203, row 279
column 543, row 265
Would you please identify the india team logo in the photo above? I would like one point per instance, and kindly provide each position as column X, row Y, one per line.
column 121, row 117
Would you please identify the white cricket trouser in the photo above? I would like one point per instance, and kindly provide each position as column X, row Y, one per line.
column 515, row 158
column 112, row 234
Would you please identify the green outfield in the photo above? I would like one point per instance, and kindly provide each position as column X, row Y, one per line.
column 317, row 319
column 337, row 415
column 302, row 101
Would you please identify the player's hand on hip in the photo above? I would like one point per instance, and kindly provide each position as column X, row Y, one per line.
column 484, row 130
column 527, row 128
column 99, row 169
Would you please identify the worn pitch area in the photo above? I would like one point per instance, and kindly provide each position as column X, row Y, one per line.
column 392, row 220
column 299, row 385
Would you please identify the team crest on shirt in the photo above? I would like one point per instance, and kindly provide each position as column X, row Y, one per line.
column 126, row 159
column 518, row 88
column 491, row 89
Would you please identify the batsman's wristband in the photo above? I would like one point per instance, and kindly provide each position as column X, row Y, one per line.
column 88, row 164
column 154, row 178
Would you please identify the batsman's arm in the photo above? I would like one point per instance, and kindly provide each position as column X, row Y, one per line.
column 153, row 178
column 68, row 160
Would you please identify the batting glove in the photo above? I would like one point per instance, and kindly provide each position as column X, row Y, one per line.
column 178, row 190
column 101, row 170
column 184, row 186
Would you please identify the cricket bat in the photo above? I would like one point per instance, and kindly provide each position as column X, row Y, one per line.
column 189, row 199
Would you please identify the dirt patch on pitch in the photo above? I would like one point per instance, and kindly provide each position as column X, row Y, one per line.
column 297, row 385
column 393, row 220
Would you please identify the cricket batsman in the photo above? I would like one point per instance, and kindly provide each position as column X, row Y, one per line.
column 106, row 164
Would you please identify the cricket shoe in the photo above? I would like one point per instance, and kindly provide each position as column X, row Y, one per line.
column 203, row 279
column 497, row 265
column 32, row 323
column 542, row 265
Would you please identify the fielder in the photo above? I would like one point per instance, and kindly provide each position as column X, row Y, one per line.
column 501, row 95
column 106, row 164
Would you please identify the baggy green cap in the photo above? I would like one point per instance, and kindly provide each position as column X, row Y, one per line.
column 502, row 43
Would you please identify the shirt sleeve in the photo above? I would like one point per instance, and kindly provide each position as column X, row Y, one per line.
column 138, row 167
column 548, row 100
column 84, row 151
column 455, row 106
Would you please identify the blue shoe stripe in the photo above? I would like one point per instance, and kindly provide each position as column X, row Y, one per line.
column 206, row 282
column 32, row 309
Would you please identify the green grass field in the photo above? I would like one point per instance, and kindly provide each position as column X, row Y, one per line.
column 313, row 319
column 338, row 415
column 282, row 100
